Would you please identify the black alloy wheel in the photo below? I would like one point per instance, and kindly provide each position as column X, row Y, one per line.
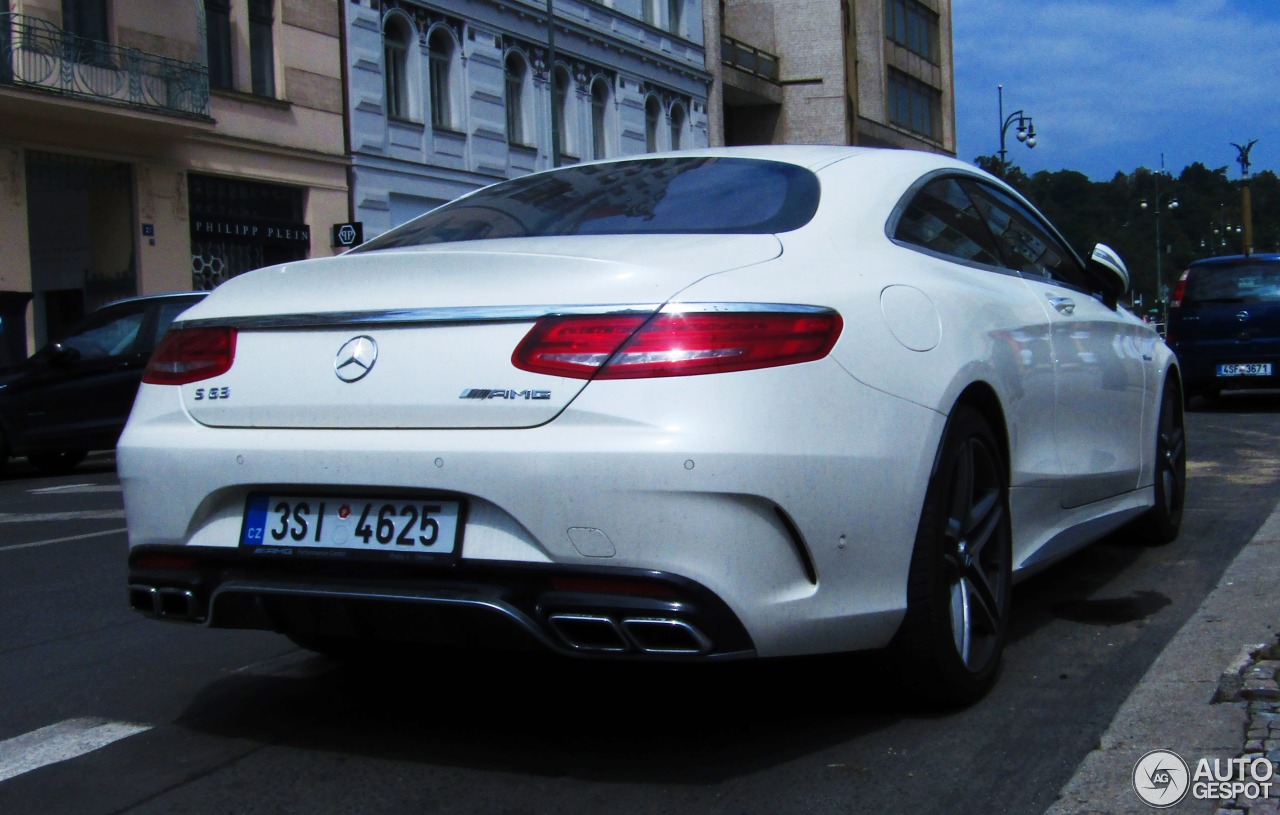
column 958, row 593
column 1163, row 521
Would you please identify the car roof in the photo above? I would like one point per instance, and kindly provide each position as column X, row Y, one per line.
column 1236, row 260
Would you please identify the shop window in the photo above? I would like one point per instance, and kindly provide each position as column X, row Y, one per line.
column 237, row 226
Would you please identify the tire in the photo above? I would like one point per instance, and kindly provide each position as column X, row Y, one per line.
column 949, row 647
column 57, row 463
column 1161, row 523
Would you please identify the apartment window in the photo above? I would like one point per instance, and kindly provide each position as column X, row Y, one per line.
column 262, row 52
column 649, row 11
column 85, row 18
column 652, row 116
column 675, row 17
column 441, row 46
column 568, row 144
column 395, row 53
column 915, row 106
column 86, row 23
column 600, row 99
column 217, row 15
column 677, row 126
column 519, row 90
column 914, row 26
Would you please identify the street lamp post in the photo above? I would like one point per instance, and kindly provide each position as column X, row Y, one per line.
column 1159, row 208
column 1026, row 132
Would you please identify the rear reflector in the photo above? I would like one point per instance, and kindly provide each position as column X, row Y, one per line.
column 676, row 344
column 190, row 355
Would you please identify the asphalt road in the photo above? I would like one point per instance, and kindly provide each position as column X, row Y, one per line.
column 198, row 721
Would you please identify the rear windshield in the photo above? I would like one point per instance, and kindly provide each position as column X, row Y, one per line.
column 645, row 196
column 1235, row 283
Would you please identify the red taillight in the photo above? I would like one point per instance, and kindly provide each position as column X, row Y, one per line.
column 190, row 355
column 676, row 344
column 1179, row 289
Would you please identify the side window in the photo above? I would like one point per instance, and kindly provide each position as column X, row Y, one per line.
column 1025, row 243
column 942, row 219
column 106, row 334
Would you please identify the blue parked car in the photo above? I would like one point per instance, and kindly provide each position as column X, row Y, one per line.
column 1224, row 324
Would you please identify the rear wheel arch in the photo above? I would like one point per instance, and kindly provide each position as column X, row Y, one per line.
column 983, row 398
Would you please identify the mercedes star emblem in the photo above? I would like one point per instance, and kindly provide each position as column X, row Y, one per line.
column 355, row 358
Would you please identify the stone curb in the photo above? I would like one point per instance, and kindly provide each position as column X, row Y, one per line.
column 1205, row 696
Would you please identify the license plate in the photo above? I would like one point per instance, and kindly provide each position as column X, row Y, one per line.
column 1245, row 369
column 405, row 525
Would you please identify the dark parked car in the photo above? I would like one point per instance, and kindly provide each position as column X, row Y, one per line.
column 1224, row 324
column 75, row 394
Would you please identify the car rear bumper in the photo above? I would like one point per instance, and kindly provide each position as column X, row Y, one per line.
column 624, row 613
column 800, row 532
column 1200, row 371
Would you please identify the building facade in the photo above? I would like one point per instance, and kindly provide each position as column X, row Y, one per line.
column 865, row 72
column 161, row 145
column 449, row 96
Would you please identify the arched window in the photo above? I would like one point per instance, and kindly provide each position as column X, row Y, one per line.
column 678, row 121
column 564, row 104
column 519, row 99
column 652, row 117
column 396, row 36
column 442, row 49
column 601, row 111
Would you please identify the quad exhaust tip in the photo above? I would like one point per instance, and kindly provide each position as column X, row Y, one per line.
column 648, row 635
column 167, row 602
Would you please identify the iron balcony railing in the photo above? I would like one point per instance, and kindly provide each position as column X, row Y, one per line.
column 37, row 54
column 748, row 58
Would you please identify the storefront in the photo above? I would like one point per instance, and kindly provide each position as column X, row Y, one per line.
column 238, row 225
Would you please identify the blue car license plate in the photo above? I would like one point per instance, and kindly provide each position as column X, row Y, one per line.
column 412, row 525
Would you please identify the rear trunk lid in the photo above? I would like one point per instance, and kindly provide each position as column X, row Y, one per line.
column 422, row 338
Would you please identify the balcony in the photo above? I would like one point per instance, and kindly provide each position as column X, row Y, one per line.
column 38, row 55
column 748, row 59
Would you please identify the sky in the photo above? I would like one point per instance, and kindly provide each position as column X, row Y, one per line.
column 1111, row 85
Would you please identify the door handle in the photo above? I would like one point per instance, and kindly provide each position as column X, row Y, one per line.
column 1064, row 305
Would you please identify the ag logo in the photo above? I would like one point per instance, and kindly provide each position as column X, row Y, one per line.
column 1161, row 778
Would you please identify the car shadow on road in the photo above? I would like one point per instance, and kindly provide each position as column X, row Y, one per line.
column 550, row 716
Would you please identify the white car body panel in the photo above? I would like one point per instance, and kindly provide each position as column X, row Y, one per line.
column 804, row 528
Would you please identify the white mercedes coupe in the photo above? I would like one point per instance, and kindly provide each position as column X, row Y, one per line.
column 749, row 402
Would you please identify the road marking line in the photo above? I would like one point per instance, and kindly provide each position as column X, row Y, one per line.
column 76, row 488
column 60, row 742
column 62, row 540
column 73, row 515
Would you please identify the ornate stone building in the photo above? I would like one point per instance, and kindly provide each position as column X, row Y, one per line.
column 448, row 96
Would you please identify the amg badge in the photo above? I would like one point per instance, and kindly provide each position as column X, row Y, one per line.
column 492, row 393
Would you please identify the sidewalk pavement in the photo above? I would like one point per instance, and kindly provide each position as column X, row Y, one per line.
column 1212, row 693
